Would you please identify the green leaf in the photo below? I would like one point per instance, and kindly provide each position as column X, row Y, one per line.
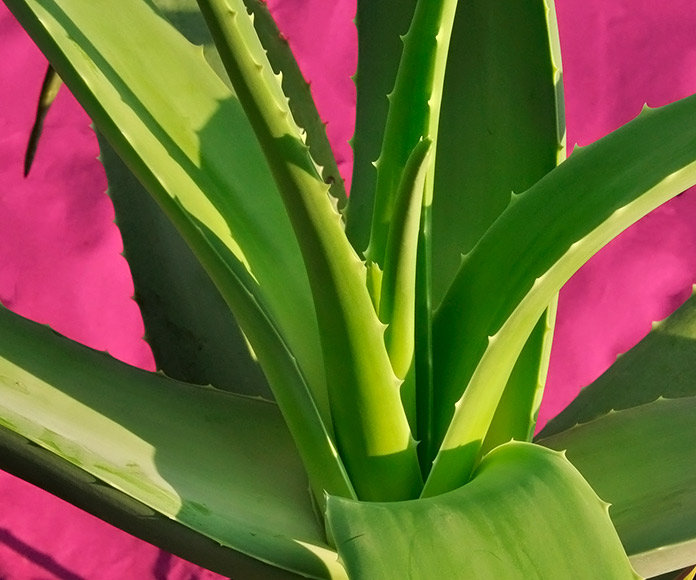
column 49, row 91
column 527, row 514
column 195, row 460
column 299, row 95
column 538, row 242
column 380, row 25
column 504, row 131
column 414, row 112
column 397, row 303
column 515, row 417
column 631, row 435
column 663, row 364
column 413, row 115
column 116, row 60
column 503, row 106
column 41, row 467
column 397, row 297
column 372, row 432
column 643, row 461
column 192, row 333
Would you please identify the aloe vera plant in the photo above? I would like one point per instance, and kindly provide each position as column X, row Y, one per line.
column 405, row 379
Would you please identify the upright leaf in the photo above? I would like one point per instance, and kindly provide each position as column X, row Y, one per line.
column 414, row 112
column 372, row 431
column 503, row 108
column 397, row 304
column 504, row 132
column 381, row 25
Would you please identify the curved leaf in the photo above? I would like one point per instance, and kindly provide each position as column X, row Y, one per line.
column 195, row 460
column 643, row 461
column 372, row 431
column 193, row 335
column 515, row 417
column 193, row 149
column 631, row 434
column 527, row 514
column 543, row 237
column 299, row 95
column 26, row 460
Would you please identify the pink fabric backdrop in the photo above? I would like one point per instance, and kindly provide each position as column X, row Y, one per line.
column 60, row 261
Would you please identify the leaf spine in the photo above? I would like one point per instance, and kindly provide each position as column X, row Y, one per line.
column 574, row 148
column 539, row 280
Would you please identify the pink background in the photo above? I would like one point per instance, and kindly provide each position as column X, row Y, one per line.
column 60, row 260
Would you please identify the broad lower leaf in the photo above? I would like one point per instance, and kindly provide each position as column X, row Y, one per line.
column 527, row 514
column 631, row 434
column 643, row 461
column 195, row 460
column 539, row 241
column 21, row 457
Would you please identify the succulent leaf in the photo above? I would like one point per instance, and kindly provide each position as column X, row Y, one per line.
column 179, row 146
column 381, row 26
column 530, row 252
column 299, row 94
column 663, row 364
column 414, row 111
column 49, row 91
column 648, row 477
column 504, row 131
column 193, row 335
column 372, row 431
column 188, row 461
column 504, row 524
